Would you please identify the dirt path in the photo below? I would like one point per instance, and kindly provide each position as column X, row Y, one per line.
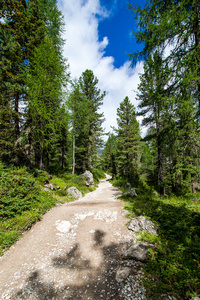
column 73, row 253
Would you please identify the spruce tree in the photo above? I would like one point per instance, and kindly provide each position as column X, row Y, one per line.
column 128, row 141
column 174, row 23
column 85, row 101
column 45, row 80
column 156, row 107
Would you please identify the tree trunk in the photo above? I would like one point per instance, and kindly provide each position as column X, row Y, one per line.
column 41, row 158
column 74, row 162
column 17, row 130
column 62, row 158
column 160, row 164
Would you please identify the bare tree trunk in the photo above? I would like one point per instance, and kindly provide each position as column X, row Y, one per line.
column 41, row 158
column 17, row 130
column 160, row 163
column 74, row 162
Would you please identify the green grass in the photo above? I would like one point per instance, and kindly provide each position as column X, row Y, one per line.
column 174, row 267
column 23, row 200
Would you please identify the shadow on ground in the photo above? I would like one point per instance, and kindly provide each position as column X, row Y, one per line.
column 99, row 284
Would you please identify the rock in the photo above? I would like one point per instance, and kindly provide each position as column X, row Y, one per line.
column 74, row 192
column 49, row 186
column 128, row 186
column 134, row 225
column 142, row 224
column 131, row 192
column 46, row 190
column 122, row 274
column 138, row 251
column 195, row 298
column 89, row 178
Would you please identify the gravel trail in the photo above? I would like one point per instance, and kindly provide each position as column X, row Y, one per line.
column 72, row 253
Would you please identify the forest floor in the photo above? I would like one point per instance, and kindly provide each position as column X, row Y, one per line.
column 72, row 253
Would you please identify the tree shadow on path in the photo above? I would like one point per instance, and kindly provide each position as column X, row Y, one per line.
column 100, row 282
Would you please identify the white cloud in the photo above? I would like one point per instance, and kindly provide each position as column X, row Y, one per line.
column 84, row 51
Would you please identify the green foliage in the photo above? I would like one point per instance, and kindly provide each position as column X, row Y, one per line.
column 23, row 201
column 41, row 175
column 98, row 174
column 32, row 79
column 173, row 267
column 18, row 192
column 84, row 103
column 109, row 155
column 170, row 89
column 128, row 141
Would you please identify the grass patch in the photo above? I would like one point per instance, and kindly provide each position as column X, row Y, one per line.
column 174, row 267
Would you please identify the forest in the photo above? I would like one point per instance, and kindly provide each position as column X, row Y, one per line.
column 50, row 124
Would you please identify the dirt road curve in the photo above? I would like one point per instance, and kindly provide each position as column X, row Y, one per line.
column 73, row 253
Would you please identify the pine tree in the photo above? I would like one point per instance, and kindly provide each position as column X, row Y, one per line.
column 84, row 102
column 20, row 31
column 156, row 107
column 45, row 79
column 128, row 141
column 176, row 23
column 88, row 85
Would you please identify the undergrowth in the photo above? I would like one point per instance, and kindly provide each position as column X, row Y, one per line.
column 23, row 200
column 174, row 267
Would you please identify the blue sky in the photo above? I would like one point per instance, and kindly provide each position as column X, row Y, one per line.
column 98, row 36
column 118, row 28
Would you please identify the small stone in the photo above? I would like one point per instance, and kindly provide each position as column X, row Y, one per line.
column 122, row 274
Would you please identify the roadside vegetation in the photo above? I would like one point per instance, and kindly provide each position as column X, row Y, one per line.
column 23, row 200
column 174, row 267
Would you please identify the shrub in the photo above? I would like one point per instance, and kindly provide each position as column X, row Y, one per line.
column 18, row 192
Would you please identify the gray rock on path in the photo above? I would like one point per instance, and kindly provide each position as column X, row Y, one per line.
column 89, row 178
column 142, row 224
column 74, row 192
column 138, row 251
column 122, row 273
column 131, row 192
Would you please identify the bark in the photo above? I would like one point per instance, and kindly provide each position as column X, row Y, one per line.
column 160, row 163
column 17, row 130
column 74, row 162
column 41, row 158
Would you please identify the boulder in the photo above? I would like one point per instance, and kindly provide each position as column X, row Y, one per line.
column 131, row 192
column 74, row 192
column 142, row 224
column 128, row 186
column 138, row 251
column 122, row 273
column 89, row 178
